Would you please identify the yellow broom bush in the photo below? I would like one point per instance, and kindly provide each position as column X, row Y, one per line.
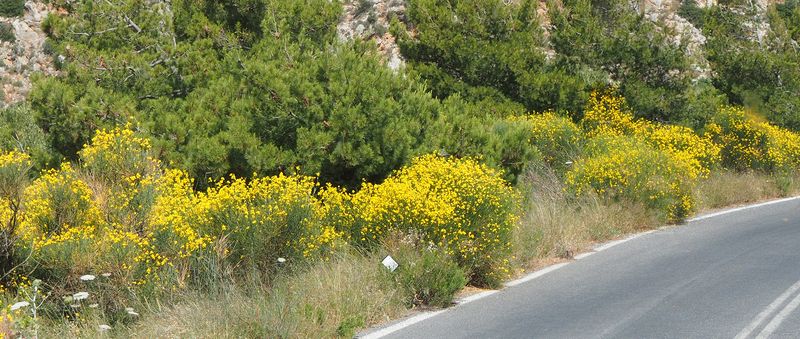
column 622, row 167
column 458, row 205
column 748, row 143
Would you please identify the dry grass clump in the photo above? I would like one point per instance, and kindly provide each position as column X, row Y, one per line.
column 728, row 188
column 559, row 225
column 331, row 299
column 323, row 300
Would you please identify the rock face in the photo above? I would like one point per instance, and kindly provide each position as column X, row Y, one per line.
column 369, row 19
column 665, row 12
column 24, row 56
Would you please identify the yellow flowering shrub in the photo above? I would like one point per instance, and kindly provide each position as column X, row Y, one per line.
column 608, row 115
column 558, row 138
column 256, row 221
column 123, row 173
column 623, row 167
column 697, row 153
column 14, row 167
column 172, row 221
column 90, row 219
column 748, row 143
column 783, row 147
column 60, row 226
column 58, row 207
column 459, row 205
column 267, row 218
column 116, row 154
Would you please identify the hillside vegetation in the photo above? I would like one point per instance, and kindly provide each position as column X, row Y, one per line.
column 233, row 168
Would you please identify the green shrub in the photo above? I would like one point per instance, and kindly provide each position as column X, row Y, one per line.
column 469, row 130
column 690, row 11
column 759, row 74
column 428, row 277
column 12, row 8
column 492, row 45
column 266, row 85
column 7, row 33
column 18, row 131
column 560, row 140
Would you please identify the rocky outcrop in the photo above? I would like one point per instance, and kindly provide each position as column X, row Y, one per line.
column 24, row 55
column 369, row 20
column 683, row 32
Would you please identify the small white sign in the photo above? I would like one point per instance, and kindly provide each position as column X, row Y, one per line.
column 390, row 263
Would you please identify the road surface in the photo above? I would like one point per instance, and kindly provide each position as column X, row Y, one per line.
column 735, row 275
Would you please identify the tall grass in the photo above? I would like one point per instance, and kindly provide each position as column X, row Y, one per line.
column 326, row 299
column 557, row 225
column 728, row 188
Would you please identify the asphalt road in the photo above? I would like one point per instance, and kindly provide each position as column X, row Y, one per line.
column 735, row 275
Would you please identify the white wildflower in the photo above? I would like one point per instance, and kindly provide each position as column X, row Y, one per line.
column 19, row 305
column 80, row 296
column 104, row 327
column 281, row 260
column 87, row 277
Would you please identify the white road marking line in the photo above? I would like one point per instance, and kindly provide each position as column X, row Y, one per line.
column 536, row 274
column 476, row 296
column 716, row 214
column 583, row 255
column 608, row 245
column 761, row 317
column 779, row 318
column 401, row 325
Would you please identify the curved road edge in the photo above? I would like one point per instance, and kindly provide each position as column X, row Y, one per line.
column 397, row 325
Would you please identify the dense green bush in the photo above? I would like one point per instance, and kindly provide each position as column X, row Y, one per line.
column 465, row 129
column 12, row 8
column 429, row 277
column 789, row 11
column 19, row 131
column 690, row 11
column 468, row 46
column 7, row 33
column 463, row 46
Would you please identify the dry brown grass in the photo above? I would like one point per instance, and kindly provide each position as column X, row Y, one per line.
column 326, row 300
column 728, row 188
column 557, row 226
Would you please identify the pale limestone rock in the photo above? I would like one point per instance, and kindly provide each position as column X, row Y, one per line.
column 25, row 56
